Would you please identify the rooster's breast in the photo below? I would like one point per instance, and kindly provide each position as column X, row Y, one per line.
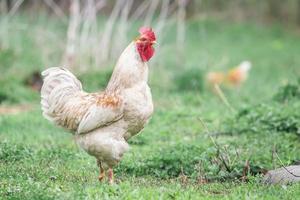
column 138, row 108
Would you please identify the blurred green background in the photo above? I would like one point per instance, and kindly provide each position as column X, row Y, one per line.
column 196, row 146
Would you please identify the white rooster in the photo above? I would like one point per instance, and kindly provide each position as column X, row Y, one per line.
column 104, row 121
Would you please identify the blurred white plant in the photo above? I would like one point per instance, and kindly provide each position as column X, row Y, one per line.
column 97, row 30
column 87, row 42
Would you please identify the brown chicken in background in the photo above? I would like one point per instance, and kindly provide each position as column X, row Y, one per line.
column 234, row 77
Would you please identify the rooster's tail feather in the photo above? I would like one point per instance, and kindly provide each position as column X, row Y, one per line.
column 59, row 84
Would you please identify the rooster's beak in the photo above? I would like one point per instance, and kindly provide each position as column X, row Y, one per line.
column 153, row 42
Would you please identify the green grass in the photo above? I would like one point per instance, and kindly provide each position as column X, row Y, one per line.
column 175, row 151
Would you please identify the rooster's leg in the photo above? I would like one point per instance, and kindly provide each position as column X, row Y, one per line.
column 110, row 176
column 102, row 172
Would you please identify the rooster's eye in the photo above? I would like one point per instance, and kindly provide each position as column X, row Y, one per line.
column 143, row 39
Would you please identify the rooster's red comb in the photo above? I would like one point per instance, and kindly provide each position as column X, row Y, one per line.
column 147, row 32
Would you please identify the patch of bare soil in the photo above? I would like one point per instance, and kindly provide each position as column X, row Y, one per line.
column 14, row 109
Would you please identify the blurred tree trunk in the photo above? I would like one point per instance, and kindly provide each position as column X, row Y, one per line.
column 219, row 4
column 72, row 34
column 181, row 15
column 9, row 4
column 298, row 12
column 275, row 9
column 5, row 6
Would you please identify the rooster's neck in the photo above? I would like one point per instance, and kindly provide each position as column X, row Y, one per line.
column 129, row 70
